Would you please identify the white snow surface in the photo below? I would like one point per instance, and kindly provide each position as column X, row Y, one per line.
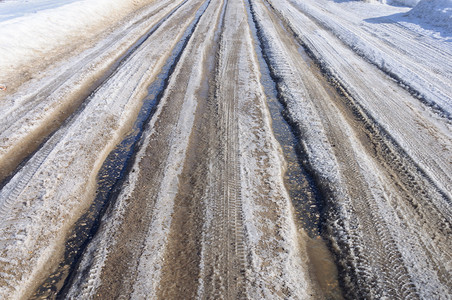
column 435, row 12
column 408, row 3
column 33, row 29
column 11, row 9
column 423, row 63
column 399, row 44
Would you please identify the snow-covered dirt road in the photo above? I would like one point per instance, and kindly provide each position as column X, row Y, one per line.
column 225, row 149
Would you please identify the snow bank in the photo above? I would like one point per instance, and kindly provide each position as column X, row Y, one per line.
column 434, row 12
column 408, row 3
column 35, row 29
column 11, row 9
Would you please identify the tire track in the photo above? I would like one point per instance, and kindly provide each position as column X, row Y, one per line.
column 46, row 177
column 203, row 212
column 224, row 262
column 110, row 177
column 413, row 79
column 144, row 223
column 384, row 143
column 283, row 74
column 402, row 117
column 35, row 161
column 415, row 180
column 9, row 195
column 42, row 102
column 377, row 262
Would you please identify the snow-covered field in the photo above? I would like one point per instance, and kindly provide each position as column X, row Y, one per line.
column 203, row 208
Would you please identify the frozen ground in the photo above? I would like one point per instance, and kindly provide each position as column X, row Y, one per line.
column 203, row 208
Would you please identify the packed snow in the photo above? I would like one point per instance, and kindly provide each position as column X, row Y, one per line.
column 60, row 177
column 392, row 56
column 388, row 103
column 408, row 3
column 43, row 29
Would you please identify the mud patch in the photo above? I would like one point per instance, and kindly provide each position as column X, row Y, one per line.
column 110, row 178
column 305, row 196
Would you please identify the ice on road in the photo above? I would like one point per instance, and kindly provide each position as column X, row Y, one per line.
column 207, row 204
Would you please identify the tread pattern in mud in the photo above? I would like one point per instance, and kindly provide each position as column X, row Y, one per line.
column 179, row 223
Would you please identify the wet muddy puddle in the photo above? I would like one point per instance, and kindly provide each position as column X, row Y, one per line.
column 112, row 173
column 299, row 184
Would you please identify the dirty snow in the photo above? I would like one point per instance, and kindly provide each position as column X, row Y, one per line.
column 41, row 29
column 52, row 189
column 412, row 44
